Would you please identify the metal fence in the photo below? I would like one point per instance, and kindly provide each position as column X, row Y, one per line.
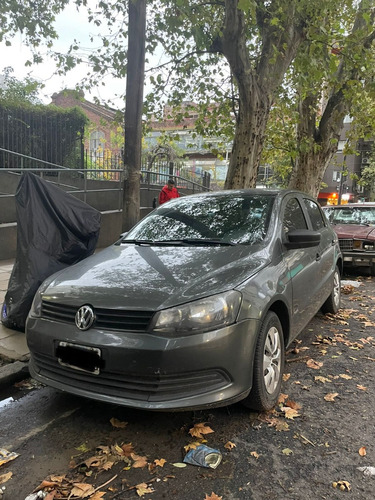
column 95, row 186
column 108, row 165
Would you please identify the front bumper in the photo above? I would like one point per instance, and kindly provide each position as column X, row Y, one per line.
column 147, row 371
column 359, row 259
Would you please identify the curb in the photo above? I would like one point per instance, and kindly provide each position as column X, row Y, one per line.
column 13, row 372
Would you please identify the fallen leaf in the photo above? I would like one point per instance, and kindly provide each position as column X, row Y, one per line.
column 213, row 496
column 117, row 450
column 108, row 465
column 96, row 461
column 160, row 462
column 51, row 495
column 319, row 378
column 5, row 477
column 229, row 445
column 98, row 495
column 255, row 454
column 342, row 485
column 345, row 376
column 199, row 430
column 361, row 387
column 139, row 462
column 82, row 490
column 282, row 426
column 282, row 398
column 46, row 484
column 286, row 377
column 368, row 323
column 315, row 365
column 293, row 404
column 290, row 412
column 179, row 465
column 7, row 456
column 58, row 479
column 118, row 423
column 331, row 396
column 143, row 489
column 287, row 451
column 361, row 451
column 127, row 449
column 195, row 444
column 82, row 448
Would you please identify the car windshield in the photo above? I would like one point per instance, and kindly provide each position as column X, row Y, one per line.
column 351, row 215
column 225, row 219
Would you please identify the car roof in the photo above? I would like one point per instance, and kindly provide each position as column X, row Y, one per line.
column 252, row 191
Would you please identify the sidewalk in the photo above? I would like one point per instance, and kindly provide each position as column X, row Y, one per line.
column 13, row 347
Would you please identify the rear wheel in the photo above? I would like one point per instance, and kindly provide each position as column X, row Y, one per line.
column 268, row 365
column 332, row 304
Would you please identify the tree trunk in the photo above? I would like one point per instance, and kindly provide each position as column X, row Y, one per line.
column 248, row 140
column 309, row 171
column 133, row 113
column 318, row 144
column 257, row 81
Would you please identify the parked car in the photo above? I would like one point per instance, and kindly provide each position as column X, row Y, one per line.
column 354, row 224
column 193, row 307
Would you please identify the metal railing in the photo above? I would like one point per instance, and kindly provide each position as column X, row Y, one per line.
column 86, row 183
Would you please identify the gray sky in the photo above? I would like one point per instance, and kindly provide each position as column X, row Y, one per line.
column 69, row 25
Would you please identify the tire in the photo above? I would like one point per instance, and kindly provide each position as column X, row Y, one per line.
column 332, row 304
column 268, row 365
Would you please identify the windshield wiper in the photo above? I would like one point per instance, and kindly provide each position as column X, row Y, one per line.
column 138, row 242
column 206, row 241
column 182, row 241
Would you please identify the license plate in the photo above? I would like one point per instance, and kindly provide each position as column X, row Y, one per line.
column 80, row 357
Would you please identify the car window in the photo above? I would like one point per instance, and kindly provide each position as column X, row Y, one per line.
column 293, row 216
column 236, row 218
column 315, row 214
column 351, row 215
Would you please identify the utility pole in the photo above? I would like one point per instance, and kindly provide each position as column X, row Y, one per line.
column 133, row 113
column 341, row 180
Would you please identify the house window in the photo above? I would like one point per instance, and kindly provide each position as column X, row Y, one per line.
column 336, row 176
column 97, row 140
column 340, row 146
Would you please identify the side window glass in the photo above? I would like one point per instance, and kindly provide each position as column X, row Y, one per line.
column 293, row 216
column 315, row 214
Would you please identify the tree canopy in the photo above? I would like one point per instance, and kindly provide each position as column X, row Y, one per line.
column 278, row 73
column 15, row 91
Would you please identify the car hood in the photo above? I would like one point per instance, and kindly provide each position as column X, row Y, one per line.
column 154, row 277
column 355, row 231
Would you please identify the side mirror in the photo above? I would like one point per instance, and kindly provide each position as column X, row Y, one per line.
column 302, row 238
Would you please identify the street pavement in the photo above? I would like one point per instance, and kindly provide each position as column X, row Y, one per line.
column 13, row 347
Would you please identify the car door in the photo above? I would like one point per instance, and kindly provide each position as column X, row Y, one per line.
column 302, row 267
column 325, row 253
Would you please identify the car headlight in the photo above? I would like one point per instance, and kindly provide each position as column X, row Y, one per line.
column 199, row 316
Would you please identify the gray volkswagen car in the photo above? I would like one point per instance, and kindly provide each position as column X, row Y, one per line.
column 192, row 308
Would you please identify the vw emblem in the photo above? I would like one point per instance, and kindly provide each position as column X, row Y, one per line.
column 85, row 317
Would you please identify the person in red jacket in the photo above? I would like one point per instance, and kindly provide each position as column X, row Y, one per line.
column 168, row 192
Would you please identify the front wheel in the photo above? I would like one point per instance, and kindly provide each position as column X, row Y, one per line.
column 268, row 365
column 332, row 304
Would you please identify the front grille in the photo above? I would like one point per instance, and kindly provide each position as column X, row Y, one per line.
column 107, row 319
column 134, row 386
column 346, row 245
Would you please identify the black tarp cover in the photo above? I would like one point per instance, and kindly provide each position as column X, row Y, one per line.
column 54, row 230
